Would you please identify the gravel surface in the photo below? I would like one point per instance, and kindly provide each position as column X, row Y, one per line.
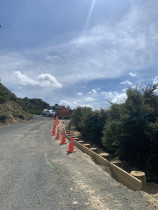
column 37, row 173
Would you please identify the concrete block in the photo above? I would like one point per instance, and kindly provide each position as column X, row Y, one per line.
column 104, row 155
column 117, row 162
column 119, row 174
column 139, row 175
column 87, row 145
column 93, row 149
column 81, row 142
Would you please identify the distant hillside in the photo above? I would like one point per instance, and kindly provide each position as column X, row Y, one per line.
column 6, row 95
column 13, row 109
column 34, row 106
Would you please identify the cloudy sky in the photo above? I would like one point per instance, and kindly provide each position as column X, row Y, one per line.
column 78, row 52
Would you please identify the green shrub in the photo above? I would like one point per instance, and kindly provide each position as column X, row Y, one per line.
column 4, row 117
column 131, row 131
column 15, row 114
column 21, row 116
column 90, row 123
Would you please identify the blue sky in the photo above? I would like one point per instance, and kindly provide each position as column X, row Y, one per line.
column 78, row 52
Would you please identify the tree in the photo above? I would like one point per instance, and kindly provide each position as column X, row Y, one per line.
column 131, row 129
column 89, row 123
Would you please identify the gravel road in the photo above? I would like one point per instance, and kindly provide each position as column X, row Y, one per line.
column 37, row 173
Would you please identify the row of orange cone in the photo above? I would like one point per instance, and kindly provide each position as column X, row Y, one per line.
column 63, row 140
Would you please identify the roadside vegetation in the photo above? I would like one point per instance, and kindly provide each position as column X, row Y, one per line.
column 13, row 109
column 34, row 106
column 128, row 131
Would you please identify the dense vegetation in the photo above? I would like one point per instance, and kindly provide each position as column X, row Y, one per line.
column 34, row 106
column 6, row 95
column 14, row 109
column 89, row 123
column 128, row 131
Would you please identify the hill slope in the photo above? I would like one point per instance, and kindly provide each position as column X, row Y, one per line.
column 34, row 106
column 13, row 109
column 10, row 110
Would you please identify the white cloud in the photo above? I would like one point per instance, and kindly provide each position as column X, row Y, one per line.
column 92, row 92
column 79, row 94
column 48, row 80
column 119, row 98
column 127, row 82
column 72, row 104
column 124, row 90
column 114, row 96
column 102, row 97
column 24, row 80
column 44, row 80
column 89, row 99
column 132, row 74
column 108, row 94
column 155, row 80
column 20, row 88
column 75, row 103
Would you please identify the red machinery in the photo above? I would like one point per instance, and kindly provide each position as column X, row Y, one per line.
column 63, row 112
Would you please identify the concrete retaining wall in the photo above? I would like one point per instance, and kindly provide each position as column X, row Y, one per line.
column 119, row 174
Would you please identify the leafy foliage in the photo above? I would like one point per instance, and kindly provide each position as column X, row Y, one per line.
column 131, row 130
column 4, row 117
column 6, row 95
column 89, row 123
column 128, row 131
column 34, row 106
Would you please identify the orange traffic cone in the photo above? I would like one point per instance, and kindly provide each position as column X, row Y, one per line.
column 63, row 140
column 58, row 135
column 53, row 130
column 71, row 144
column 57, row 120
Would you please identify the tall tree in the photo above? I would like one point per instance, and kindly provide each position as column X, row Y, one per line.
column 131, row 130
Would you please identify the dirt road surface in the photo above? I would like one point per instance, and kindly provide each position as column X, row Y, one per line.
column 37, row 173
